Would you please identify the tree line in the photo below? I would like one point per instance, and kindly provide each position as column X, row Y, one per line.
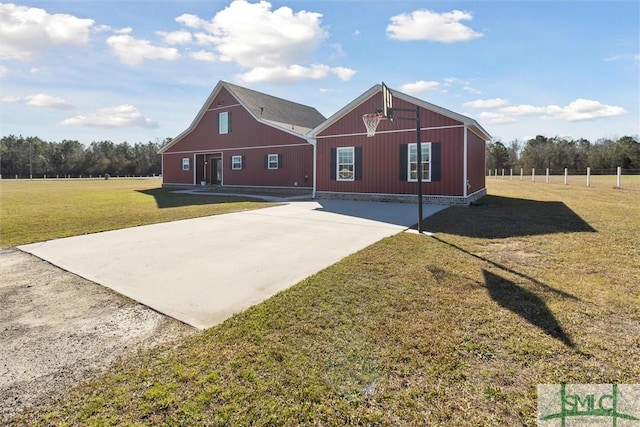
column 32, row 156
column 559, row 153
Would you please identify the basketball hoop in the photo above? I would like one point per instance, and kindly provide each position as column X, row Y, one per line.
column 371, row 122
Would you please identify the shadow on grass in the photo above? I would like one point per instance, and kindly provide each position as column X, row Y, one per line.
column 498, row 217
column 510, row 270
column 526, row 305
column 167, row 199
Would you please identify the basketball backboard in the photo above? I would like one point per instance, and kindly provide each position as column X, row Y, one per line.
column 387, row 102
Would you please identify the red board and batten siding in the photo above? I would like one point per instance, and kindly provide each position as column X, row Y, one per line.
column 475, row 162
column 249, row 138
column 381, row 153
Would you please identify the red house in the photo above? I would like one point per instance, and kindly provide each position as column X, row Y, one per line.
column 383, row 167
column 241, row 137
column 246, row 138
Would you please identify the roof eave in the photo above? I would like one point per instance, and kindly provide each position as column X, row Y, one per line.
column 343, row 111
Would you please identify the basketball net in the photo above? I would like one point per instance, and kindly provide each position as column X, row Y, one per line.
column 371, row 121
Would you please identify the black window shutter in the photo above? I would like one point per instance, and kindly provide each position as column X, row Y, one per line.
column 266, row 161
column 435, row 161
column 229, row 126
column 404, row 159
column 279, row 161
column 358, row 163
column 230, row 162
column 242, row 164
column 218, row 123
column 334, row 159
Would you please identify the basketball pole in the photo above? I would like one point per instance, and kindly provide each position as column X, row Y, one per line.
column 418, row 158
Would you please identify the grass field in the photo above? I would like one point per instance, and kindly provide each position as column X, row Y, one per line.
column 38, row 210
column 627, row 182
column 537, row 284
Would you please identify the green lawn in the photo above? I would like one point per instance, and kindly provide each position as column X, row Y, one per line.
column 38, row 210
column 537, row 284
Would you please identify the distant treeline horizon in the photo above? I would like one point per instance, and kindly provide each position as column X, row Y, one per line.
column 558, row 153
column 31, row 156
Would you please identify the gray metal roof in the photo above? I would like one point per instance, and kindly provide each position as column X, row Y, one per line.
column 280, row 112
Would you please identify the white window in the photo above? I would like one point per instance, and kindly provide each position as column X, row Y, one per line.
column 345, row 158
column 186, row 164
column 273, row 161
column 412, row 163
column 223, row 123
column 236, row 162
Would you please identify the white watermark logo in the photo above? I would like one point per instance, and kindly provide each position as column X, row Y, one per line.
column 565, row 405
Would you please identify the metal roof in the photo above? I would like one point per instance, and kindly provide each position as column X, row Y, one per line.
column 278, row 111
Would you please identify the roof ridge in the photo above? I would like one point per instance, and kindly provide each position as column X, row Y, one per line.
column 227, row 84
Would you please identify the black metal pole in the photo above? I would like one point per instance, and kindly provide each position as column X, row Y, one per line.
column 419, row 159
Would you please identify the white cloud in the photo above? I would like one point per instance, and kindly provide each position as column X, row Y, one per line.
column 27, row 31
column 495, row 118
column 3, row 71
column 112, row 117
column 175, row 37
column 255, row 36
column 428, row 25
column 583, row 109
column 48, row 101
column 624, row 57
column 522, row 110
column 487, row 103
column 294, row 72
column 203, row 55
column 578, row 110
column 472, row 90
column 110, row 29
column 271, row 45
column 343, row 73
column 134, row 52
column 419, row 87
column 9, row 99
column 191, row 21
column 40, row 100
column 206, row 39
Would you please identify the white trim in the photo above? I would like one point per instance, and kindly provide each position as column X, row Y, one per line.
column 220, row 123
column 205, row 108
column 353, row 163
column 182, row 164
column 465, row 173
column 376, row 89
column 390, row 131
column 267, row 186
column 194, row 169
column 223, row 107
column 413, row 144
column 269, row 156
column 313, row 142
column 220, row 150
column 233, row 168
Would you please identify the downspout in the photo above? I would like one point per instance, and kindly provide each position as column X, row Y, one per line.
column 465, row 175
column 162, row 167
column 194, row 168
column 313, row 142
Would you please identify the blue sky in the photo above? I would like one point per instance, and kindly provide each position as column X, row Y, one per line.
column 139, row 71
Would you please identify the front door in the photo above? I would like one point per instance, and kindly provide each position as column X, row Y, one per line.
column 216, row 170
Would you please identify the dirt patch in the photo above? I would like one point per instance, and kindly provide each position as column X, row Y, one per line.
column 57, row 329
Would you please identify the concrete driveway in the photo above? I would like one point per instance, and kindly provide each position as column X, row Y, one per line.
column 201, row 271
